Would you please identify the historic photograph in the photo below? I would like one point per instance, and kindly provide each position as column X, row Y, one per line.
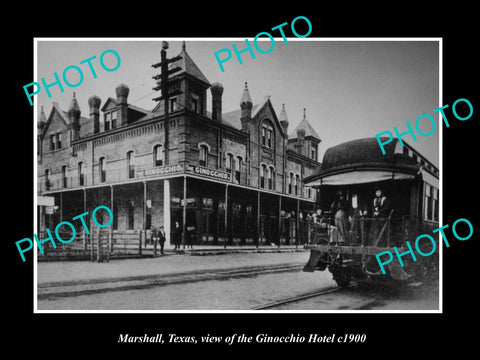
column 296, row 179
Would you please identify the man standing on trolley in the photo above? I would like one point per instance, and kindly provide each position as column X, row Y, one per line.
column 381, row 211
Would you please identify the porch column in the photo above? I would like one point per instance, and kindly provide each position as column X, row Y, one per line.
column 84, row 210
column 61, row 206
column 184, row 220
column 226, row 217
column 166, row 210
column 144, row 214
column 297, row 226
column 258, row 218
column 279, row 220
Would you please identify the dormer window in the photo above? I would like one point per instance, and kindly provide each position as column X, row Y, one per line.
column 110, row 120
column 59, row 140
column 114, row 119
column 108, row 117
column 52, row 142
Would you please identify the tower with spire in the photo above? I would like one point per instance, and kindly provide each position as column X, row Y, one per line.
column 193, row 84
column 304, row 139
column 246, row 107
column 74, row 117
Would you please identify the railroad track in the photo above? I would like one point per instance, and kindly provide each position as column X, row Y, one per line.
column 296, row 299
column 363, row 305
column 96, row 286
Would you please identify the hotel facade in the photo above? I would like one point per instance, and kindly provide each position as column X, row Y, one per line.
column 234, row 178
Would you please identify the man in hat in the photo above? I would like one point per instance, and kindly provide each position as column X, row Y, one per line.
column 380, row 212
column 340, row 208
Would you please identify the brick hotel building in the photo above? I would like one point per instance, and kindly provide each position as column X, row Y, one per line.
column 236, row 177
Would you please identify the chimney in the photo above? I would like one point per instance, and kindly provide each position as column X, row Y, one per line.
column 246, row 106
column 217, row 91
column 74, row 117
column 300, row 141
column 122, row 94
column 94, row 103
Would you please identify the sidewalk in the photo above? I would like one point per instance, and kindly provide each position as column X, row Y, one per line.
column 64, row 272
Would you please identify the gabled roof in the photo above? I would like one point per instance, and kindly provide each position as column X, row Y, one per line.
column 309, row 130
column 188, row 66
column 232, row 118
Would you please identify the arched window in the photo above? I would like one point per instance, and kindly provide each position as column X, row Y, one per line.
column 81, row 175
column 267, row 134
column 158, row 155
column 102, row 169
column 238, row 168
column 290, row 183
column 296, row 183
column 64, row 176
column 229, row 162
column 271, row 177
column 263, row 170
column 203, row 155
column 130, row 165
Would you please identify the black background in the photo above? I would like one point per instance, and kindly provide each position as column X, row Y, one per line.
column 387, row 334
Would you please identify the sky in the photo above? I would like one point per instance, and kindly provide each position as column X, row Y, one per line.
column 350, row 89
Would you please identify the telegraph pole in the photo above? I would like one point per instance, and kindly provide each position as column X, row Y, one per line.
column 164, row 84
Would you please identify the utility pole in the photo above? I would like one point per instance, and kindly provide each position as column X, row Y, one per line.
column 164, row 84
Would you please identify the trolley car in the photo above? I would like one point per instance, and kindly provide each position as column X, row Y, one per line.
column 347, row 245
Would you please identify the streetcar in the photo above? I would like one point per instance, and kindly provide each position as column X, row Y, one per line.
column 350, row 178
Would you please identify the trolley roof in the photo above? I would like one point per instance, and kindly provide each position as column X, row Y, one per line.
column 361, row 161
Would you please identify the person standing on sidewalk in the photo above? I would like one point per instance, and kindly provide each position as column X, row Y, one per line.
column 177, row 235
column 161, row 239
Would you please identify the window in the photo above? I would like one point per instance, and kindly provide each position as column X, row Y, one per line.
column 428, row 202
column 173, row 104
column 290, row 183
column 59, row 140
column 103, row 172
column 130, row 165
column 107, row 121
column 130, row 214
column 47, row 179
column 314, row 152
column 196, row 103
column 81, row 176
column 158, row 155
column 295, row 183
column 228, row 162
column 267, row 134
column 203, row 155
column 238, row 168
column 435, row 204
column 270, row 177
column 64, row 176
column 52, row 142
column 263, row 170
column 114, row 119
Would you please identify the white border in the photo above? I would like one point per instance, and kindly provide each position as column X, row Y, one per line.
column 35, row 109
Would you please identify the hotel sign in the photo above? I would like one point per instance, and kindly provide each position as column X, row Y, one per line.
column 162, row 170
column 168, row 170
column 211, row 173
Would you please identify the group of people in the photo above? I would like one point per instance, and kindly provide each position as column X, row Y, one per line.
column 158, row 237
column 345, row 216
